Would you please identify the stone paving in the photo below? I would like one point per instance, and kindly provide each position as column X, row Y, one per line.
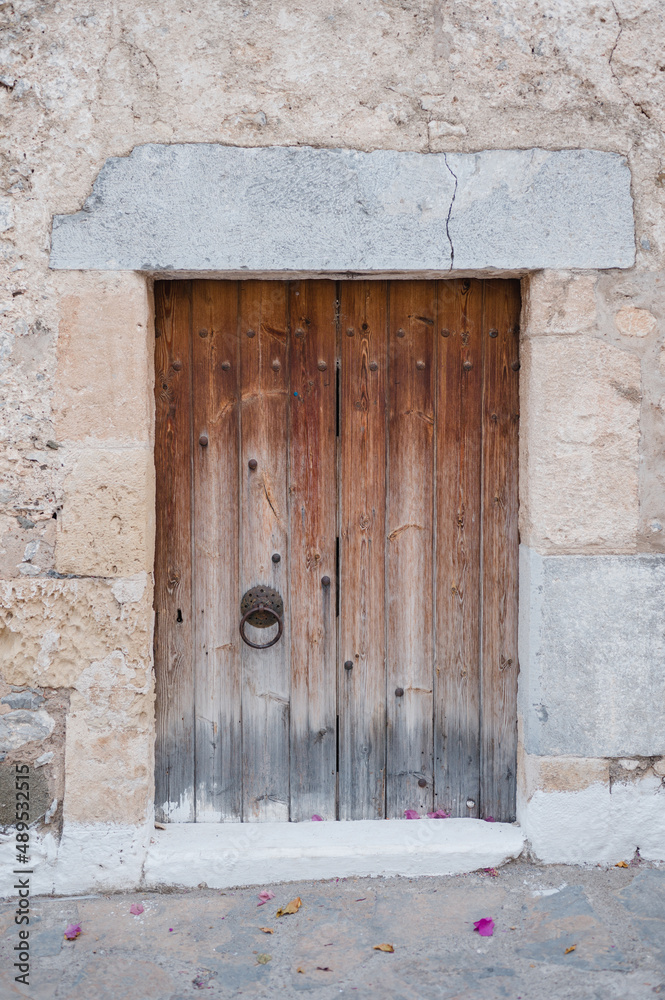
column 560, row 932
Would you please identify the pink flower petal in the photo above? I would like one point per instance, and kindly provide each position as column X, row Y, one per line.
column 265, row 895
column 438, row 814
column 490, row 819
column 136, row 909
column 72, row 931
column 411, row 814
column 484, row 926
column 317, row 819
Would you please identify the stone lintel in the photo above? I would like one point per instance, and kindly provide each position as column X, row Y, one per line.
column 213, row 208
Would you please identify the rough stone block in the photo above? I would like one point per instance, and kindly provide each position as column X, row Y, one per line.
column 579, row 455
column 104, row 381
column 106, row 527
column 560, row 774
column 559, row 302
column 633, row 322
column 198, row 207
column 592, row 647
column 91, row 756
column 52, row 630
column 40, row 798
column 21, row 726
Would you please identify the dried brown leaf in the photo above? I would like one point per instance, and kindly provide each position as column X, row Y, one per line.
column 267, row 930
column 383, row 947
column 567, row 951
column 291, row 907
column 621, row 864
column 263, row 959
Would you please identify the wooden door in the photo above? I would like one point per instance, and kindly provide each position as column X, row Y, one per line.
column 352, row 446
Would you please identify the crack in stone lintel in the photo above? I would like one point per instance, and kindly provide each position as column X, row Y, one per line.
column 450, row 212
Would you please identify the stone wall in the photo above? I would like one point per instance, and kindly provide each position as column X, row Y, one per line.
column 81, row 84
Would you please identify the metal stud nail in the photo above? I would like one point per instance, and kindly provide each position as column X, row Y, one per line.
column 325, row 581
column 276, row 557
column 300, row 333
column 401, row 333
column 276, row 365
column 349, row 332
column 177, row 366
column 445, row 333
column 322, row 366
column 422, row 783
column 420, row 365
column 226, row 365
column 467, row 366
column 252, row 464
column 515, row 366
column 203, row 440
column 470, row 803
column 203, row 333
column 373, row 365
column 399, row 692
column 494, row 333
column 251, row 333
column 348, row 664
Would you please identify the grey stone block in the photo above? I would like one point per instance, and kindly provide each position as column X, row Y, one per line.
column 23, row 699
column 592, row 654
column 205, row 207
column 39, row 795
column 20, row 727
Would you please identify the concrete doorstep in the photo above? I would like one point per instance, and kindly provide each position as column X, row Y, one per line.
column 223, row 855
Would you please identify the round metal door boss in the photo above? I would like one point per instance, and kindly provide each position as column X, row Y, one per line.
column 261, row 607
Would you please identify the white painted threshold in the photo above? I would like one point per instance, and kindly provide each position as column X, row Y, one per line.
column 241, row 854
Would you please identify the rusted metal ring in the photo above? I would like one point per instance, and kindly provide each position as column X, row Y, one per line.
column 278, row 621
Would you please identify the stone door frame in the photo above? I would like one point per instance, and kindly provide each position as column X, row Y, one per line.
column 217, row 211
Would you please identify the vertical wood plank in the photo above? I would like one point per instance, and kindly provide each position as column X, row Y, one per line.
column 215, row 558
column 457, row 559
column 174, row 779
column 500, row 549
column 362, row 689
column 312, row 535
column 264, row 519
column 409, row 598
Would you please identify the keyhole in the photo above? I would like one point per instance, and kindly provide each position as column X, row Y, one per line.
column 178, row 616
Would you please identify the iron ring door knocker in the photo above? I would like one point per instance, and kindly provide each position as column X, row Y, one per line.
column 262, row 607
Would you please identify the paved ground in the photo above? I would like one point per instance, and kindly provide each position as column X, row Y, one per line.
column 206, row 943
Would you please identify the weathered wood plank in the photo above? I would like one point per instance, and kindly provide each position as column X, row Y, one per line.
column 264, row 521
column 312, row 537
column 457, row 558
column 216, row 553
column 500, row 549
column 409, row 597
column 361, row 698
column 174, row 779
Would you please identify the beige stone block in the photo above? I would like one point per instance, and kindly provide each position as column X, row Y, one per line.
column 51, row 631
column 561, row 774
column 559, row 302
column 579, row 446
column 633, row 322
column 439, row 129
column 109, row 774
column 104, row 384
column 94, row 638
column 106, row 527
